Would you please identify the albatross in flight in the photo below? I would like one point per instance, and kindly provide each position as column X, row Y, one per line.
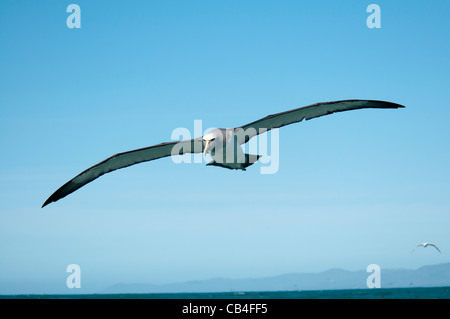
column 426, row 245
column 219, row 143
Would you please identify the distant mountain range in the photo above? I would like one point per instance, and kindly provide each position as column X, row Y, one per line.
column 426, row 276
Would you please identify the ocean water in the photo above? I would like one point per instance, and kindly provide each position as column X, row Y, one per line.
column 375, row 293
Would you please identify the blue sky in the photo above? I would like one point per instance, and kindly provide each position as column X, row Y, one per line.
column 352, row 189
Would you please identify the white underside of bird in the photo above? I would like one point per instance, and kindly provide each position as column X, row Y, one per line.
column 225, row 150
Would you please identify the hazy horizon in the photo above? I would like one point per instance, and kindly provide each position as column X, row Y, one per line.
column 49, row 288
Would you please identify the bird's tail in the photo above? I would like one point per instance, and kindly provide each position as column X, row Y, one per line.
column 249, row 160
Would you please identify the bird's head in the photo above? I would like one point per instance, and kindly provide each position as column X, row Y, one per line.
column 212, row 140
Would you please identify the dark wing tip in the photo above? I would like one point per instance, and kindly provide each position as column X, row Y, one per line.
column 51, row 199
column 376, row 103
column 48, row 201
column 63, row 191
column 392, row 104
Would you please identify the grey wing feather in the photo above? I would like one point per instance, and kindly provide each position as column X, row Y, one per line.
column 126, row 159
column 415, row 248
column 435, row 247
column 306, row 113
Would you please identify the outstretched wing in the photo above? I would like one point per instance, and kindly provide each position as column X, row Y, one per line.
column 307, row 112
column 416, row 248
column 125, row 159
column 435, row 247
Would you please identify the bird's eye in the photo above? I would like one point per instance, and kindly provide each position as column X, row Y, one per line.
column 212, row 139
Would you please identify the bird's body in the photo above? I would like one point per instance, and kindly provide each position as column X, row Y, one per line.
column 223, row 145
column 424, row 245
column 225, row 150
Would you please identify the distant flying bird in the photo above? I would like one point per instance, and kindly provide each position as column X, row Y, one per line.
column 218, row 143
column 426, row 245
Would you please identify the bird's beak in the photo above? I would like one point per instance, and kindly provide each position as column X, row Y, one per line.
column 206, row 148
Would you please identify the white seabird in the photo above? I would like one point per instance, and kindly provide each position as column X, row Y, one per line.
column 222, row 144
column 426, row 245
